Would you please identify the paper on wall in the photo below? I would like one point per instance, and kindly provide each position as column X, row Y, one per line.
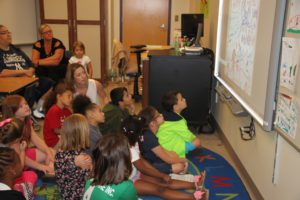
column 286, row 115
column 290, row 61
column 293, row 23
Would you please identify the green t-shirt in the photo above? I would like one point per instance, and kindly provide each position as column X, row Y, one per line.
column 172, row 135
column 123, row 191
column 114, row 116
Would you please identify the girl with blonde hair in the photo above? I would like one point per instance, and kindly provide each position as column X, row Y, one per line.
column 80, row 57
column 72, row 165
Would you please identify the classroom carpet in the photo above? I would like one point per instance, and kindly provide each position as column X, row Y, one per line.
column 221, row 179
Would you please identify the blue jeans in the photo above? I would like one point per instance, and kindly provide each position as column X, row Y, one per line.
column 34, row 92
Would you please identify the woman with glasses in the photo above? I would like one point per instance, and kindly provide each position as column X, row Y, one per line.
column 15, row 63
column 48, row 55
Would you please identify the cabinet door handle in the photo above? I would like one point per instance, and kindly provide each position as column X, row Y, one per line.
column 163, row 26
column 74, row 25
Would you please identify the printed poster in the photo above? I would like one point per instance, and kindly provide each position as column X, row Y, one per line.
column 290, row 60
column 286, row 115
column 293, row 23
column 204, row 7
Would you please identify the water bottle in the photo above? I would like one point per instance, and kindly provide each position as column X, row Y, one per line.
column 176, row 44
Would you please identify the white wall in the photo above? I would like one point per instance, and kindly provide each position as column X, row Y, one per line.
column 258, row 155
column 20, row 18
column 115, row 26
column 178, row 7
column 27, row 49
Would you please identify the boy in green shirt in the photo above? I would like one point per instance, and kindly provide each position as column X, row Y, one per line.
column 120, row 107
column 174, row 134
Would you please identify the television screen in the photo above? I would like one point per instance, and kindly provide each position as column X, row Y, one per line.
column 189, row 24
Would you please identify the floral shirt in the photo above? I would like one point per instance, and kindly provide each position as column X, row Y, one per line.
column 70, row 178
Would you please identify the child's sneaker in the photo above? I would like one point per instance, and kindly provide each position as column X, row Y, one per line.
column 38, row 114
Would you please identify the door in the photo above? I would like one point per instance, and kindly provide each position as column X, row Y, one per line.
column 145, row 22
column 73, row 20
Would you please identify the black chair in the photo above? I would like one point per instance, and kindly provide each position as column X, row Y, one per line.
column 138, row 50
column 68, row 54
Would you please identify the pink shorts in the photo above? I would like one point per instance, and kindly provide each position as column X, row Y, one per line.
column 31, row 153
column 28, row 177
column 26, row 183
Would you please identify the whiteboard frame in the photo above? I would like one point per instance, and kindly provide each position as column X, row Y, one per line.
column 265, row 121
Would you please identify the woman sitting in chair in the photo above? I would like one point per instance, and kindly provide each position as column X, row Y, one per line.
column 48, row 55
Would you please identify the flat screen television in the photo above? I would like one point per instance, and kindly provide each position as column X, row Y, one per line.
column 189, row 25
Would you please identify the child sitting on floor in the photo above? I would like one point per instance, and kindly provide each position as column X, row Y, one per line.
column 40, row 156
column 56, row 108
column 83, row 105
column 11, row 136
column 120, row 107
column 174, row 134
column 72, row 166
column 111, row 171
column 162, row 159
column 148, row 180
column 10, row 169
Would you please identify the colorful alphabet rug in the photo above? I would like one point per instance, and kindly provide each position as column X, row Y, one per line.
column 221, row 179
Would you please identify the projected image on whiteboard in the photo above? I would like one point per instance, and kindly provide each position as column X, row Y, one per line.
column 241, row 40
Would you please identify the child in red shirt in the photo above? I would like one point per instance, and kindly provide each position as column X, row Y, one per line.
column 56, row 108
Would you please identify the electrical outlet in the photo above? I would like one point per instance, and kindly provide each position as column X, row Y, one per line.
column 176, row 18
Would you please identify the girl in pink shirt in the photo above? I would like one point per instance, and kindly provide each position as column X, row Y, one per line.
column 39, row 157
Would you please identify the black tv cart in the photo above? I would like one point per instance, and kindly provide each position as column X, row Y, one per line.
column 191, row 75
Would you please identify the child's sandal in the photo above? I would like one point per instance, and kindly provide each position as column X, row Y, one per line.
column 196, row 181
column 199, row 194
column 199, row 181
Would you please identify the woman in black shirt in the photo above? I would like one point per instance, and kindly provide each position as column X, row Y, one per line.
column 48, row 55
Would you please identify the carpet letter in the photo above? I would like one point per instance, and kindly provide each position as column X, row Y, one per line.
column 228, row 195
column 219, row 181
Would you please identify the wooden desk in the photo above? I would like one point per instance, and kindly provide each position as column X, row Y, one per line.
column 144, row 55
column 10, row 85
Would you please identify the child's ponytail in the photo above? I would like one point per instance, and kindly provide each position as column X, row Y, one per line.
column 146, row 117
column 11, row 129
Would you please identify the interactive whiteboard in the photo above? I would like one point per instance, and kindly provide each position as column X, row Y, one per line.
column 248, row 51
